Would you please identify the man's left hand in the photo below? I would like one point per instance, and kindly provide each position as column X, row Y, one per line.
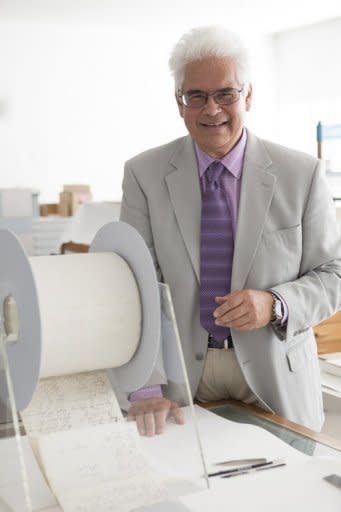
column 244, row 310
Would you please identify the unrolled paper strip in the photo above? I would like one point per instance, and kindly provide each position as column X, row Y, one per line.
column 71, row 402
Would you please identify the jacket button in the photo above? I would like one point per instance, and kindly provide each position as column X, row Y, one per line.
column 199, row 356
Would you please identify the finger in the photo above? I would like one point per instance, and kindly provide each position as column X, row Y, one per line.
column 131, row 414
column 227, row 305
column 149, row 423
column 177, row 415
column 245, row 325
column 140, row 424
column 240, row 322
column 160, row 420
column 221, row 300
column 232, row 316
column 233, row 297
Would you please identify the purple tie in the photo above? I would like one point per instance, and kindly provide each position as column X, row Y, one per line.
column 216, row 252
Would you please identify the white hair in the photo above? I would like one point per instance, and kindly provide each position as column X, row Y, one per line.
column 204, row 42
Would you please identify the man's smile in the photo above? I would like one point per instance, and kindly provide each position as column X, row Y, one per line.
column 214, row 126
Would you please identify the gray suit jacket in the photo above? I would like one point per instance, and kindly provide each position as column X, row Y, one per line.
column 287, row 239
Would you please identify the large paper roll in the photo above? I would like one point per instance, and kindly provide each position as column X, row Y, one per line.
column 80, row 312
column 90, row 312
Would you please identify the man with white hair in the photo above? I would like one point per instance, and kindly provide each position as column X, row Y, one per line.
column 244, row 232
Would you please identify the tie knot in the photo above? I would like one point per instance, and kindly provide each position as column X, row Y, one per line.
column 214, row 171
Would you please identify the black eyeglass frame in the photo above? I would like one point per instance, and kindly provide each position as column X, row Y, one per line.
column 205, row 95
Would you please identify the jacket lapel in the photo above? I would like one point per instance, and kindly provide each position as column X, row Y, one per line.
column 184, row 190
column 257, row 189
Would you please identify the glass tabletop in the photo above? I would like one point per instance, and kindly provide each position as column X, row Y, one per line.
column 233, row 412
column 297, row 440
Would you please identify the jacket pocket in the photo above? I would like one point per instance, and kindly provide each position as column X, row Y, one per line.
column 289, row 236
column 299, row 356
column 277, row 259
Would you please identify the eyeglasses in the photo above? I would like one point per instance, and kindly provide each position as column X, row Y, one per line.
column 198, row 99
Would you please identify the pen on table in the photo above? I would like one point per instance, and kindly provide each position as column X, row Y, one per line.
column 240, row 462
column 245, row 468
column 242, row 471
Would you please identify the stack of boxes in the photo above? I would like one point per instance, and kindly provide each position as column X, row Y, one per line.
column 69, row 200
column 55, row 218
column 72, row 197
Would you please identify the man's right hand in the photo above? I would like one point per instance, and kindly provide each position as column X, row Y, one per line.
column 151, row 414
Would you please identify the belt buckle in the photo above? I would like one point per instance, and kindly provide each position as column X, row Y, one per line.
column 225, row 341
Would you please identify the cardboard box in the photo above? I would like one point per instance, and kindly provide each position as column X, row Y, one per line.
column 72, row 197
column 76, row 188
column 49, row 209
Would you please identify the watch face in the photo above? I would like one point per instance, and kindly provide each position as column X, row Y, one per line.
column 278, row 309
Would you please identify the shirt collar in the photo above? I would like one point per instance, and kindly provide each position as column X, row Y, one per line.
column 233, row 161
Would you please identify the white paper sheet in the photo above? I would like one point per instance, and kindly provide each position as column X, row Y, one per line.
column 331, row 381
column 296, row 487
column 331, row 363
column 11, row 487
column 221, row 440
column 105, row 469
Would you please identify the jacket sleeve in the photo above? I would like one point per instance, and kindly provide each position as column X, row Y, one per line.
column 316, row 294
column 135, row 211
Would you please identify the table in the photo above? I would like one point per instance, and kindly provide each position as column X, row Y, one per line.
column 299, row 437
column 264, row 489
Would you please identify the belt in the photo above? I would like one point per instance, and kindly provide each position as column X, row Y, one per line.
column 213, row 343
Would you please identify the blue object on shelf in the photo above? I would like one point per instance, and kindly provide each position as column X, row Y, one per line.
column 327, row 131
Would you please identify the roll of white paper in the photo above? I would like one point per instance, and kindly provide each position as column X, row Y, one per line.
column 76, row 313
column 90, row 312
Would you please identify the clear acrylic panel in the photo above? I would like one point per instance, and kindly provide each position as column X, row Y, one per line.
column 71, row 458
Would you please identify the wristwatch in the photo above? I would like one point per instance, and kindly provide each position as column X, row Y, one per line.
column 277, row 310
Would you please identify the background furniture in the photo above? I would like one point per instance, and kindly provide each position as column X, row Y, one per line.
column 328, row 335
column 88, row 219
column 18, row 208
column 68, row 247
column 47, row 234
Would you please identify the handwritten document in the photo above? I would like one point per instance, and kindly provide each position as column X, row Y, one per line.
column 91, row 457
column 105, row 469
column 71, row 402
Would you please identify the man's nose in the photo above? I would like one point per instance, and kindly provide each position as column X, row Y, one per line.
column 211, row 107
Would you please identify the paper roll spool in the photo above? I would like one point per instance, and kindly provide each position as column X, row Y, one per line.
column 90, row 312
column 19, row 280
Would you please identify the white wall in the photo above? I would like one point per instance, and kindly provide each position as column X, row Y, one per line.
column 79, row 98
column 308, row 82
column 70, row 107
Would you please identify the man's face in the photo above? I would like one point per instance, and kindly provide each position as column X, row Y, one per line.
column 215, row 128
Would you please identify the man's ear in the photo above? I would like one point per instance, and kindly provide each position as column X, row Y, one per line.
column 248, row 98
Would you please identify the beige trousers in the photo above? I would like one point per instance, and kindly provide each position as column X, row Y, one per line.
column 223, row 379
